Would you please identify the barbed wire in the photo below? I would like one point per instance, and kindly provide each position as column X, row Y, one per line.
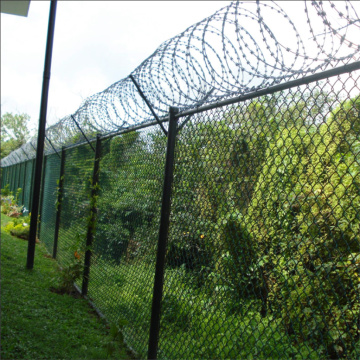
column 241, row 48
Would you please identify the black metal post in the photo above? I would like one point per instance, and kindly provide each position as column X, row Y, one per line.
column 163, row 235
column 14, row 178
column 31, row 183
column 19, row 178
column 24, row 181
column 42, row 194
column 59, row 200
column 93, row 213
column 11, row 176
column 41, row 137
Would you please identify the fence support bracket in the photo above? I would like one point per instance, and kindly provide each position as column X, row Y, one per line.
column 52, row 145
column 82, row 132
column 147, row 103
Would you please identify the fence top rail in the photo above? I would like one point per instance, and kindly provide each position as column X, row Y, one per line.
column 291, row 84
column 241, row 51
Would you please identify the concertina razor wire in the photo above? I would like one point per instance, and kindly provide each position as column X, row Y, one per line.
column 239, row 49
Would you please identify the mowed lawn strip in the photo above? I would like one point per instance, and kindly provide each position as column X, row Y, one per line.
column 39, row 324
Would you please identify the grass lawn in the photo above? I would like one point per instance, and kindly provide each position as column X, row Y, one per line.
column 39, row 324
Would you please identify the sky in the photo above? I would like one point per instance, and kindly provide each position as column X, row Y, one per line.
column 96, row 43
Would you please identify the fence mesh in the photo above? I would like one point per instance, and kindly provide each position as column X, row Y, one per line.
column 75, row 205
column 123, row 264
column 263, row 254
column 263, row 251
column 263, row 258
column 27, row 186
column 49, row 199
column 5, row 176
column 21, row 179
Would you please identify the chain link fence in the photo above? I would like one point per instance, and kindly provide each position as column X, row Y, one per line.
column 229, row 227
column 263, row 249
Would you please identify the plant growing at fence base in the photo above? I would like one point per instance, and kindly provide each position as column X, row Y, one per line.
column 69, row 274
column 115, row 336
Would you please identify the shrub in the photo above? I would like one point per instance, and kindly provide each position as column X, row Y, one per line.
column 305, row 222
column 9, row 202
column 19, row 227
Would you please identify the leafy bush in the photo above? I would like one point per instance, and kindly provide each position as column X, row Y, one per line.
column 304, row 219
column 19, row 227
column 73, row 269
column 5, row 191
column 9, row 202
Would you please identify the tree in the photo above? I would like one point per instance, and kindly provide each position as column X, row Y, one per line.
column 14, row 132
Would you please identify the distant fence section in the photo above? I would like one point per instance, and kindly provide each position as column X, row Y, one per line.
column 229, row 229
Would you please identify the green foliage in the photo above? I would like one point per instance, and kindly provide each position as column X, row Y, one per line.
column 9, row 202
column 14, row 132
column 115, row 336
column 304, row 217
column 129, row 199
column 5, row 191
column 263, row 254
column 19, row 227
column 73, row 270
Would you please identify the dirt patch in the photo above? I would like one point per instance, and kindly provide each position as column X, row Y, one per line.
column 60, row 291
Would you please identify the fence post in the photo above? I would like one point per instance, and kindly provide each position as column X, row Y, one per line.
column 93, row 211
column 42, row 194
column 31, row 184
column 23, row 187
column 11, row 176
column 16, row 178
column 19, row 177
column 12, row 181
column 59, row 200
column 163, row 235
column 40, row 138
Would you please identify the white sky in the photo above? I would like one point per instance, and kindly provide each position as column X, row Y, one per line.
column 96, row 43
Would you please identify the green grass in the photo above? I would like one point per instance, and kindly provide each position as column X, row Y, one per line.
column 39, row 324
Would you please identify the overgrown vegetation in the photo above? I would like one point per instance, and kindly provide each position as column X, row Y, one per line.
column 263, row 256
column 14, row 132
column 19, row 226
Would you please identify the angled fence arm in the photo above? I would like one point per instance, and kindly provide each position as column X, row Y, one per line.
column 148, row 104
column 76, row 123
column 32, row 146
column 25, row 153
column 52, row 146
column 17, row 156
